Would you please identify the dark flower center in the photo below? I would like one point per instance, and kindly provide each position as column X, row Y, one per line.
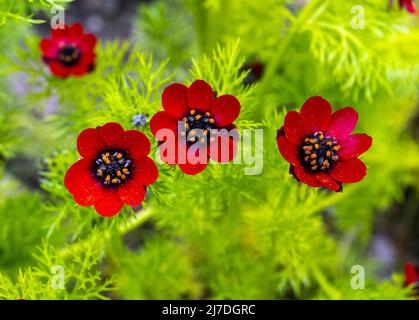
column 197, row 127
column 113, row 168
column 68, row 55
column 319, row 152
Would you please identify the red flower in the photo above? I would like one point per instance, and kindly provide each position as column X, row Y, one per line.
column 196, row 117
column 411, row 273
column 69, row 51
column 255, row 69
column 114, row 169
column 320, row 147
column 408, row 5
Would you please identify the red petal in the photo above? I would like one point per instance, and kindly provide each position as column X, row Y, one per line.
column 174, row 100
column 87, row 59
column 58, row 69
column 136, row 143
column 315, row 114
column 306, row 177
column 225, row 110
column 200, row 96
column 328, row 182
column 411, row 273
column 225, row 150
column 89, row 143
column 88, row 42
column 342, row 122
column 288, row 150
column 349, row 171
column 354, row 145
column 72, row 177
column 75, row 31
column 192, row 169
column 293, row 128
column 111, row 134
column 162, row 120
column 145, row 171
column 132, row 193
column 110, row 204
column 81, row 184
column 48, row 47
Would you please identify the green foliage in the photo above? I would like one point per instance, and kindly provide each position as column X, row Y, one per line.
column 220, row 234
column 21, row 10
column 83, row 279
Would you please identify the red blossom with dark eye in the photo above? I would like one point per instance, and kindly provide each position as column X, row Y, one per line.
column 319, row 145
column 114, row 169
column 69, row 51
column 201, row 123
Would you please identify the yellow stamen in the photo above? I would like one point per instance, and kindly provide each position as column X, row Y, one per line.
column 108, row 178
column 115, row 180
column 125, row 170
column 192, row 112
column 207, row 113
column 118, row 173
column 313, row 156
column 198, row 116
column 313, row 162
column 314, row 168
column 316, row 146
column 211, row 120
column 119, row 156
